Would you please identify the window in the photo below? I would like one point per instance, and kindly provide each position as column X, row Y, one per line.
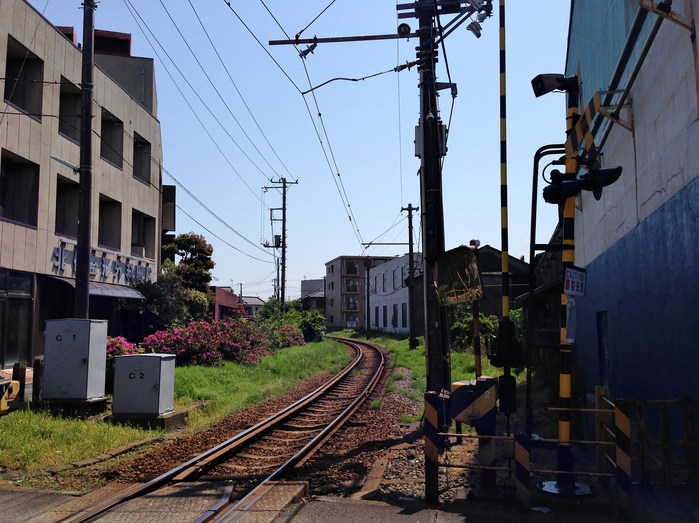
column 67, row 202
column 19, row 189
column 110, row 223
column 24, row 75
column 70, row 107
column 396, row 280
column 383, row 276
column 351, row 304
column 141, row 159
column 142, row 235
column 332, row 319
column 385, row 316
column 376, row 317
column 376, row 285
column 332, row 285
column 112, row 139
column 404, row 315
column 394, row 316
column 351, row 268
column 351, row 285
column 352, row 321
column 332, row 302
column 403, row 273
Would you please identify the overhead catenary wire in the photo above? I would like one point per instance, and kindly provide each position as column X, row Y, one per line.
column 135, row 14
column 213, row 85
column 237, row 90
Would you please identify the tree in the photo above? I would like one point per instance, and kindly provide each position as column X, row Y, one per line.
column 195, row 261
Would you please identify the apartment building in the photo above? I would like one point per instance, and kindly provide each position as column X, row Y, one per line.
column 40, row 76
column 389, row 309
column 345, row 290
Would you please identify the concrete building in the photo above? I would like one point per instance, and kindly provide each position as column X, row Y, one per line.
column 313, row 295
column 389, row 309
column 345, row 290
column 639, row 242
column 251, row 304
column 40, row 75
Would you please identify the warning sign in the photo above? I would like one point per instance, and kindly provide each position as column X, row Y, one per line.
column 574, row 281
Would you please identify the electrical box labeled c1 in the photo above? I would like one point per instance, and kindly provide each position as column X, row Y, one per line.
column 75, row 359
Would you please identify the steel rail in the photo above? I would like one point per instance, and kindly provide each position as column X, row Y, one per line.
column 217, row 453
column 233, row 513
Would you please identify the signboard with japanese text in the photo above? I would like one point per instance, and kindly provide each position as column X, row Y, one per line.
column 107, row 267
column 574, row 281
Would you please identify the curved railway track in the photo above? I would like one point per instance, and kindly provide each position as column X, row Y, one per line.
column 269, row 450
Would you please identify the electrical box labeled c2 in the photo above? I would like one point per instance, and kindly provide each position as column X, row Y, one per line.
column 144, row 384
column 75, row 359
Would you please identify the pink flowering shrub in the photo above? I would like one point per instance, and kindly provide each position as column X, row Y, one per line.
column 291, row 337
column 210, row 343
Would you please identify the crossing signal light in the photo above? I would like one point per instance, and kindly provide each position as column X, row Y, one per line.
column 593, row 180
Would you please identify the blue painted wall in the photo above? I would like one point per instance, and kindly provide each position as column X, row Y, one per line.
column 648, row 282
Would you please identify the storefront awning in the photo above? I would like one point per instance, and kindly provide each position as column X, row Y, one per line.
column 110, row 290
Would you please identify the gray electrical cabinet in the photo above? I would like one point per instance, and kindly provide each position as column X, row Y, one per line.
column 144, row 384
column 75, row 359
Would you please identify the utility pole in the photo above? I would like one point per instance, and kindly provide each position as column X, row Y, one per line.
column 412, row 342
column 282, row 243
column 83, row 248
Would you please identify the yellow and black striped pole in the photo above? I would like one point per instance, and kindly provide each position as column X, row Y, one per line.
column 503, row 171
column 622, row 435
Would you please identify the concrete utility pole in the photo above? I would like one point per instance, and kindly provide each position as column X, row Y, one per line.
column 412, row 342
column 284, row 183
column 84, row 249
column 436, row 322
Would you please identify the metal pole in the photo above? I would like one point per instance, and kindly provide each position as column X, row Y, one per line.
column 283, row 282
column 436, row 321
column 83, row 248
column 412, row 341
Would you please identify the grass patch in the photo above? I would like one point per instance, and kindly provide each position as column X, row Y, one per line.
column 30, row 440
column 376, row 404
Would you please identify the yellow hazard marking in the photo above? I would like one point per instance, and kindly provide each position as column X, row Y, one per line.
column 431, row 451
column 480, row 406
column 564, row 388
column 521, row 455
column 431, row 414
column 622, row 421
column 564, row 432
column 623, row 461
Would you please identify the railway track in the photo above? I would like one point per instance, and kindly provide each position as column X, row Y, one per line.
column 267, row 451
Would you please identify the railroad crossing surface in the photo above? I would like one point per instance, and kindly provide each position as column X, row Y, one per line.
column 289, row 504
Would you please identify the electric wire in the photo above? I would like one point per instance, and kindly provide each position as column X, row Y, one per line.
column 238, row 91
column 197, row 200
column 134, row 13
column 311, row 22
column 24, row 61
column 213, row 85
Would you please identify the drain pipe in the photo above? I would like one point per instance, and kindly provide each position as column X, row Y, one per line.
column 634, row 73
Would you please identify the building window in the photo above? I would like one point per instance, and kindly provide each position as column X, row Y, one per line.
column 332, row 302
column 332, row 319
column 141, row 159
column 351, row 304
column 24, row 76
column 109, row 223
column 112, row 139
column 351, row 268
column 67, row 201
column 332, row 285
column 403, row 273
column 404, row 315
column 142, row 235
column 383, row 276
column 19, row 189
column 351, row 285
column 376, row 317
column 332, row 269
column 376, row 285
column 396, row 280
column 385, row 316
column 351, row 321
column 394, row 317
column 70, row 106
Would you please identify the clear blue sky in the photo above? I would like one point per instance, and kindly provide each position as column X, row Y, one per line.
column 366, row 128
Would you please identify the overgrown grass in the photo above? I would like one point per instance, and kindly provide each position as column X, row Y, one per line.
column 233, row 387
column 29, row 440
